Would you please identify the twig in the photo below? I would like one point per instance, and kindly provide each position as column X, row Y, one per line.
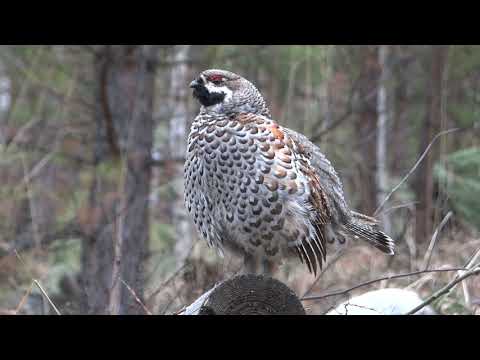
column 24, row 298
column 348, row 112
column 413, row 168
column 23, row 87
column 31, row 204
column 136, row 297
column 333, row 261
column 36, row 282
column 45, row 294
column 469, row 265
column 422, row 280
column 390, row 277
column 28, row 177
column 172, row 276
column 71, row 229
column 400, row 206
column 20, row 132
column 473, row 259
column 165, row 283
column 445, row 289
column 433, row 241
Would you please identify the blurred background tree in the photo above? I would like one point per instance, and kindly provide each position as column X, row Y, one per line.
column 92, row 140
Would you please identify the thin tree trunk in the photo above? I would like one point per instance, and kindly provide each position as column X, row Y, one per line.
column 5, row 101
column 367, row 126
column 400, row 120
column 383, row 118
column 178, row 126
column 435, row 66
column 116, row 251
column 325, row 92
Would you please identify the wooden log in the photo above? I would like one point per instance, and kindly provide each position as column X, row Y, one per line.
column 247, row 295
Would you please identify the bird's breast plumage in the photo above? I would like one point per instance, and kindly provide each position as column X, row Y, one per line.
column 251, row 189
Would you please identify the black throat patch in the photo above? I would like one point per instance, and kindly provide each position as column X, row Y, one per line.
column 207, row 98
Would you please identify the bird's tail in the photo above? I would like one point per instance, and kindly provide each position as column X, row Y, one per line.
column 367, row 231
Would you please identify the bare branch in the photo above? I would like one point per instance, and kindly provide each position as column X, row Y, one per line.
column 469, row 265
column 330, row 263
column 390, row 277
column 445, row 289
column 136, row 297
column 46, row 295
column 24, row 298
column 70, row 229
column 37, row 283
column 414, row 167
column 428, row 254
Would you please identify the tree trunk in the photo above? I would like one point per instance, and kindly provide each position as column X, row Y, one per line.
column 383, row 110
column 435, row 66
column 5, row 101
column 400, row 120
column 180, row 119
column 114, row 255
column 367, row 126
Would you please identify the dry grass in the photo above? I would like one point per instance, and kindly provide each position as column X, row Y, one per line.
column 356, row 264
column 362, row 263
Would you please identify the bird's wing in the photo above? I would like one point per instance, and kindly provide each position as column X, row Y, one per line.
column 291, row 154
column 321, row 206
column 327, row 175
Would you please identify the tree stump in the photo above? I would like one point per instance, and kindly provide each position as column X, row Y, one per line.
column 249, row 295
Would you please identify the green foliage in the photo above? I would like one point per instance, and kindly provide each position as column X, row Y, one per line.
column 109, row 171
column 461, row 174
column 464, row 59
column 64, row 259
column 464, row 113
column 72, row 202
column 451, row 304
column 162, row 241
column 161, row 236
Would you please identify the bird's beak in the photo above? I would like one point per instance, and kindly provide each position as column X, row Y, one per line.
column 194, row 84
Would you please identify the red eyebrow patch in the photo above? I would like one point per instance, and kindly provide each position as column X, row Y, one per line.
column 215, row 77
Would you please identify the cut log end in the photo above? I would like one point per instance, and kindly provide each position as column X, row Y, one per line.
column 252, row 295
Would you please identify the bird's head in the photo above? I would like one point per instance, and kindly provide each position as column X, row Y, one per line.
column 220, row 91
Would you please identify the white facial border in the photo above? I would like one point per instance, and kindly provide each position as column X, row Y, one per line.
column 219, row 89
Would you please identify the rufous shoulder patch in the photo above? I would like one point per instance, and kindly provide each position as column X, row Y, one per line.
column 275, row 130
